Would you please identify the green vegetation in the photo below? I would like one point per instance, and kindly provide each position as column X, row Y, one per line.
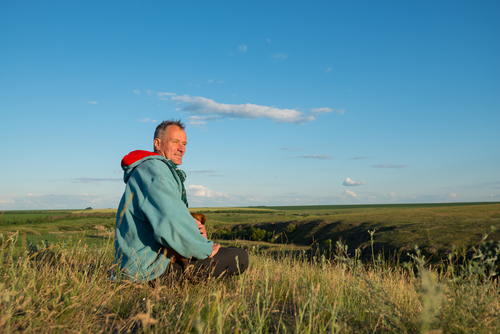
column 434, row 228
column 60, row 288
column 56, row 222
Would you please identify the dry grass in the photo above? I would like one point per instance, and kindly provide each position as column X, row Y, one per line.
column 61, row 289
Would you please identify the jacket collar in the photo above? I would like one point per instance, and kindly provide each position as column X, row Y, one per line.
column 135, row 156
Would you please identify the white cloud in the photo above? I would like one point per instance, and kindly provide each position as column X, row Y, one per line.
column 328, row 70
column 322, row 110
column 149, row 92
column 453, row 195
column 280, row 56
column 163, row 96
column 201, row 191
column 137, row 92
column 204, row 106
column 350, row 183
column 201, row 120
column 210, row 81
column 349, row 194
column 146, row 120
column 6, row 201
column 242, row 48
column 340, row 111
column 92, row 102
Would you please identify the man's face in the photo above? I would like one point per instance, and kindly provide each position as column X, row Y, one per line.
column 173, row 144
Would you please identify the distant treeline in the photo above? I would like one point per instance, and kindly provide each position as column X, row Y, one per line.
column 267, row 212
column 40, row 220
column 24, row 212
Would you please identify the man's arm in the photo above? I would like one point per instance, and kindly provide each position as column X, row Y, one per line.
column 168, row 215
column 201, row 220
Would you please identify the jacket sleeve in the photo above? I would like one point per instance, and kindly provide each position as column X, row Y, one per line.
column 169, row 217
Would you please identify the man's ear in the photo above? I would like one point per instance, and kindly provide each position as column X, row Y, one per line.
column 157, row 142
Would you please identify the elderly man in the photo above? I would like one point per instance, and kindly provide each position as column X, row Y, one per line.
column 153, row 217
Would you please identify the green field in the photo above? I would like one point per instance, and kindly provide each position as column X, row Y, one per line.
column 396, row 228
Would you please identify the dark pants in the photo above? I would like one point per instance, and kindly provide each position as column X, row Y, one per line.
column 228, row 261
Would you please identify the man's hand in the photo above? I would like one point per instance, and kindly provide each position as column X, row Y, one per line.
column 215, row 249
column 202, row 228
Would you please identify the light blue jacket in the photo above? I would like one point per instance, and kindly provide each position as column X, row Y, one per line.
column 151, row 215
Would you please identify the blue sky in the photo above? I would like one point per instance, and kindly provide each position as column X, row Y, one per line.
column 286, row 103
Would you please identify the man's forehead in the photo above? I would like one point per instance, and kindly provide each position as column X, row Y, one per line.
column 175, row 132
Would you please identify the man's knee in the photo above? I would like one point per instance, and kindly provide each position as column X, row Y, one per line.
column 238, row 257
column 242, row 259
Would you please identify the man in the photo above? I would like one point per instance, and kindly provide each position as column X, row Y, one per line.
column 153, row 216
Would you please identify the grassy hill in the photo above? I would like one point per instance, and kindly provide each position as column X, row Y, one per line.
column 395, row 228
column 64, row 287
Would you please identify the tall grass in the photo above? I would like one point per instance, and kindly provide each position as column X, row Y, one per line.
column 63, row 288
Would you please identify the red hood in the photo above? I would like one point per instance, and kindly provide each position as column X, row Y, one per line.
column 135, row 156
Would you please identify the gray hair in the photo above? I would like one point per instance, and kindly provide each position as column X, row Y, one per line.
column 162, row 127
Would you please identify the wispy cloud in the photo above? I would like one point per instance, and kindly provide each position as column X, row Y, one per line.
column 200, row 105
column 201, row 191
column 50, row 201
column 484, row 185
column 146, row 120
column 137, row 92
column 163, row 96
column 322, row 110
column 92, row 102
column 389, row 166
column 292, row 149
column 201, row 120
column 202, row 172
column 7, row 201
column 360, row 158
column 327, row 110
column 350, row 183
column 280, row 56
column 94, row 180
column 149, row 92
column 328, row 70
column 320, row 157
column 242, row 48
column 349, row 194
